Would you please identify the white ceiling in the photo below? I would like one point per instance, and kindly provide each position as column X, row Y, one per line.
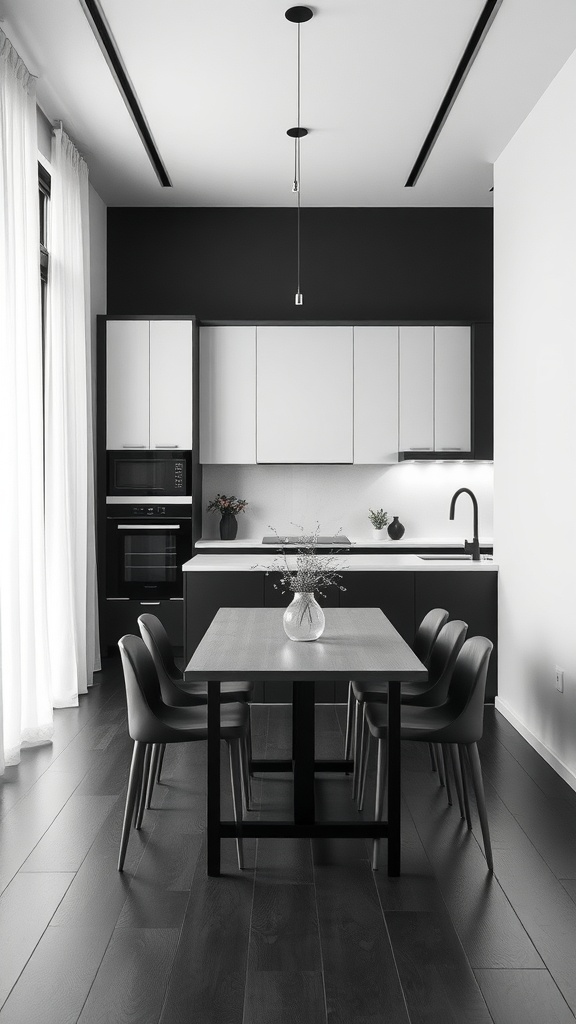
column 217, row 83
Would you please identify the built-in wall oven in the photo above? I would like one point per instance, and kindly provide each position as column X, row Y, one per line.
column 140, row 474
column 146, row 545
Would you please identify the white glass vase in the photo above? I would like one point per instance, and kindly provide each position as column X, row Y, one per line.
column 304, row 618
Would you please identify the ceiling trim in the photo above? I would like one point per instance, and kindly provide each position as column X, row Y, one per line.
column 109, row 48
column 479, row 33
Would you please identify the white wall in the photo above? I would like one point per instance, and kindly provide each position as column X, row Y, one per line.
column 535, row 422
column 340, row 496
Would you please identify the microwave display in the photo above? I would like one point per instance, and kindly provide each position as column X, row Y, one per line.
column 161, row 474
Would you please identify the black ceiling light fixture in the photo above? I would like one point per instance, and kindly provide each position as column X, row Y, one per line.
column 298, row 15
column 97, row 21
column 489, row 12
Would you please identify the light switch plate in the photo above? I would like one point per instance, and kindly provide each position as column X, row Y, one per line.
column 560, row 679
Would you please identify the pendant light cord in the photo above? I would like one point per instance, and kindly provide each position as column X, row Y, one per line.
column 297, row 159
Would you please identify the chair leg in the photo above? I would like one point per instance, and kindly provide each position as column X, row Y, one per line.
column 464, row 787
column 480, row 800
column 143, row 786
column 439, row 764
column 349, row 721
column 246, row 783
column 236, row 778
column 249, row 744
column 453, row 747
column 161, row 761
column 131, row 796
column 432, row 757
column 446, row 773
column 381, row 769
column 365, row 746
column 356, row 748
column 152, row 773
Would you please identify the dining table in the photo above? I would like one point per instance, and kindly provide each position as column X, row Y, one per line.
column 357, row 644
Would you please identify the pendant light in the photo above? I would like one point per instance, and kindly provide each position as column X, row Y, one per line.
column 298, row 15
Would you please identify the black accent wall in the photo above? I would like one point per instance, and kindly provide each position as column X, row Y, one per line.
column 357, row 264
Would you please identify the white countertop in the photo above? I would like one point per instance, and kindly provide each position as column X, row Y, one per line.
column 364, row 563
column 361, row 542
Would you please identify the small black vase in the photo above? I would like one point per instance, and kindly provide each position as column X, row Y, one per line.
column 228, row 527
column 395, row 530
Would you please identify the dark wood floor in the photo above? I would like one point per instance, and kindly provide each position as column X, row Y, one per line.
column 307, row 933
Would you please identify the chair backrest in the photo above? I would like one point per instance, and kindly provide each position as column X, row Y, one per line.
column 143, row 695
column 156, row 639
column 445, row 650
column 467, row 689
column 427, row 632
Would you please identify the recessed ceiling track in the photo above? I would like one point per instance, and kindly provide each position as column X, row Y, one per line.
column 481, row 28
column 107, row 43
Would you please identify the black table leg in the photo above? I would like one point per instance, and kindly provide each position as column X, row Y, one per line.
column 394, row 778
column 303, row 751
column 213, row 784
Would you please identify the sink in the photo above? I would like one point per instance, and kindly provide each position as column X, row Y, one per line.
column 445, row 558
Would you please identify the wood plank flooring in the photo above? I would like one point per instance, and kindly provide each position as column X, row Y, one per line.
column 307, row 932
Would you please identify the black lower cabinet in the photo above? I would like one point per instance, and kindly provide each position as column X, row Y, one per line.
column 404, row 597
column 281, row 693
column 121, row 617
column 472, row 597
column 392, row 592
column 206, row 592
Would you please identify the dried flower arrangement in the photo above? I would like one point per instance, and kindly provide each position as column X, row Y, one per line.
column 313, row 572
column 226, row 506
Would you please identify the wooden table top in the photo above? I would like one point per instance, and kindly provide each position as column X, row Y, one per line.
column 250, row 643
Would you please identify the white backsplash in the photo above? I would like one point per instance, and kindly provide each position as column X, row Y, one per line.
column 286, row 497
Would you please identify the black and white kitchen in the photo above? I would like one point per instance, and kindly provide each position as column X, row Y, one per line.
column 260, row 385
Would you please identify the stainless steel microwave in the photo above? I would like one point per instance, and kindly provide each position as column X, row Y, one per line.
column 162, row 474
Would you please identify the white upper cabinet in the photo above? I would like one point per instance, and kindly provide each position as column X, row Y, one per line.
column 452, row 389
column 228, row 395
column 127, row 384
column 416, row 389
column 305, row 394
column 435, row 389
column 375, row 395
column 171, row 384
column 149, row 384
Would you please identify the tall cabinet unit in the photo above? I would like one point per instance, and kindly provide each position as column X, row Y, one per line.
column 147, row 370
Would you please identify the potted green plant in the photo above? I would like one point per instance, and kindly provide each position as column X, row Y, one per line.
column 379, row 519
column 229, row 508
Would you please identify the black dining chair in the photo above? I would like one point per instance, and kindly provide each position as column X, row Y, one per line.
column 175, row 690
column 423, row 641
column 432, row 693
column 151, row 723
column 458, row 722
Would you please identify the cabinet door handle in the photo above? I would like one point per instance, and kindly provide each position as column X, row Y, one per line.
column 420, row 449
column 451, row 448
column 133, row 445
column 166, row 445
column 142, row 603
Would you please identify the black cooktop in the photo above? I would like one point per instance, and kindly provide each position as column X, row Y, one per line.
column 337, row 541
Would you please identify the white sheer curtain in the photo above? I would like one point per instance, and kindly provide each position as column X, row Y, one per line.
column 69, row 487
column 25, row 703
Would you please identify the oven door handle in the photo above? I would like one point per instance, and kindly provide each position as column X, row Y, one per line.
column 147, row 526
